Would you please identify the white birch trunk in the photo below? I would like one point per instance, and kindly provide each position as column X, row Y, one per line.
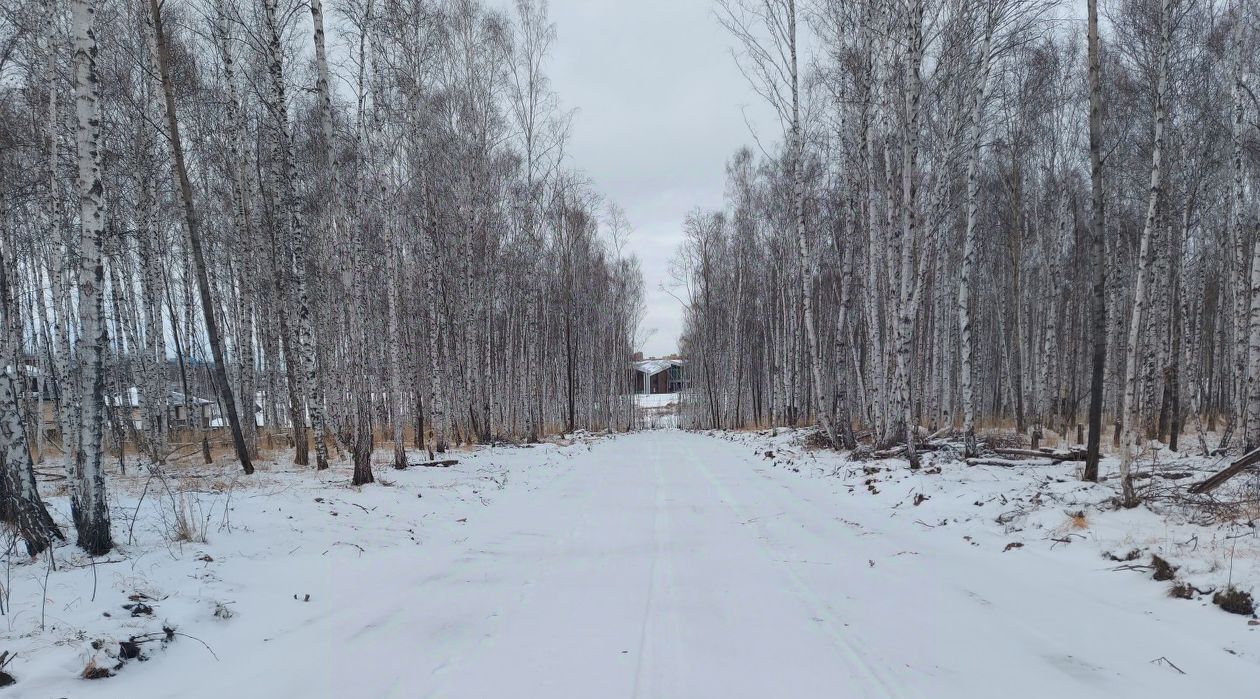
column 975, row 136
column 87, row 498
column 1130, row 412
column 295, row 241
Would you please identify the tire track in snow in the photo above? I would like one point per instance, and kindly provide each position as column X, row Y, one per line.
column 459, row 650
column 1005, row 619
column 661, row 577
column 1031, row 636
column 819, row 609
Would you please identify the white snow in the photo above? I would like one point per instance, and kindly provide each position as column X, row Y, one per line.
column 659, row 564
column 652, row 367
column 656, row 400
column 657, row 410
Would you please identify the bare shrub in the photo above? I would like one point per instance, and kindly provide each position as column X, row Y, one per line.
column 185, row 513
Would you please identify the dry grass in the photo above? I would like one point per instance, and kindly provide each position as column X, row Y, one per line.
column 1235, row 601
column 183, row 528
column 1163, row 569
column 1182, row 591
column 92, row 671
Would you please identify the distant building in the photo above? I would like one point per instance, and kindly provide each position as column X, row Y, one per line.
column 660, row 376
column 182, row 411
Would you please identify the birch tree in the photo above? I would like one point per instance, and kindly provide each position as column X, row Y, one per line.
column 88, row 498
column 336, row 272
column 960, row 119
column 20, row 503
column 193, row 223
column 766, row 31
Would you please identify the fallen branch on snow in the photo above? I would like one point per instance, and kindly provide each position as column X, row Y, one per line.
column 1169, row 663
column 1243, row 463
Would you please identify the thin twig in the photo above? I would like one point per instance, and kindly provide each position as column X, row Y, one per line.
column 43, row 603
column 198, row 640
column 93, row 563
column 136, row 514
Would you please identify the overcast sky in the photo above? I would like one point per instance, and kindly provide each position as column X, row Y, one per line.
column 662, row 107
column 660, row 112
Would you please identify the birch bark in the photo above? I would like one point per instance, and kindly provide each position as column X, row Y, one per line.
column 1097, row 250
column 1130, row 410
column 21, row 504
column 295, row 241
column 975, row 136
column 88, row 505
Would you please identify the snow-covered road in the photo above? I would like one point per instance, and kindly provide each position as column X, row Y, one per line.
column 669, row 564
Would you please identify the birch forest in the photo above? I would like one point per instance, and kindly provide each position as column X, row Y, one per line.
column 975, row 214
column 342, row 354
column 342, row 224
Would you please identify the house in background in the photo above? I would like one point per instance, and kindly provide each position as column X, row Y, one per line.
column 654, row 376
column 182, row 411
column 217, row 421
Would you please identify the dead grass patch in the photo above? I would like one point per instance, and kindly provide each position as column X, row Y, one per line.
column 1163, row 569
column 1235, row 601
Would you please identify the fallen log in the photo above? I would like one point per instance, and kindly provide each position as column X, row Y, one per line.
column 1171, row 476
column 1007, row 463
column 897, row 451
column 940, row 433
column 1070, row 455
column 1244, row 462
column 444, row 463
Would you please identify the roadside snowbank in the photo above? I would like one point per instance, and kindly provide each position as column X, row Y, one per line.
column 1210, row 543
column 207, row 558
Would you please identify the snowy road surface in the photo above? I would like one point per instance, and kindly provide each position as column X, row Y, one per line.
column 670, row 564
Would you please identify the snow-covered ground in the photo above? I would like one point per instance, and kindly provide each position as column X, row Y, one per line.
column 659, row 564
column 656, row 400
column 657, row 410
